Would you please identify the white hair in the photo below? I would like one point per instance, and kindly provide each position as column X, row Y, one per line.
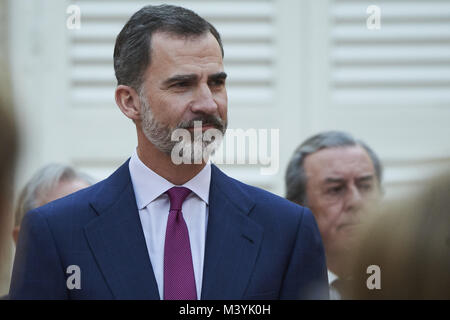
column 43, row 181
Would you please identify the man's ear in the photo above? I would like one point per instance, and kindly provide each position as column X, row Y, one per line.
column 128, row 101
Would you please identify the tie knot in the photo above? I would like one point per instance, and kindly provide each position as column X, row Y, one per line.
column 177, row 195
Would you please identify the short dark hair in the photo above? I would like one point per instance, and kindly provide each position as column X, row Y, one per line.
column 132, row 52
column 295, row 177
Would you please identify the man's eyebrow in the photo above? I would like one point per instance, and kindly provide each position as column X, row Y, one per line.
column 180, row 77
column 193, row 77
column 340, row 180
column 217, row 76
column 334, row 180
column 365, row 178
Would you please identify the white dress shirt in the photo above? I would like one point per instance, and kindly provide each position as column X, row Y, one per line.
column 334, row 294
column 154, row 205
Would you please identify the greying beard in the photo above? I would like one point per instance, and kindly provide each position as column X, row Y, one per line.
column 158, row 134
column 161, row 135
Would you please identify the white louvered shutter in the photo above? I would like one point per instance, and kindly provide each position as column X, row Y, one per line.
column 390, row 87
column 300, row 66
column 407, row 61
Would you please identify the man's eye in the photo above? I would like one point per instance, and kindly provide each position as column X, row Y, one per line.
column 335, row 190
column 365, row 187
column 217, row 83
column 181, row 84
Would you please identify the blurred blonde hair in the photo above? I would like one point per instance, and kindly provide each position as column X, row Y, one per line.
column 410, row 242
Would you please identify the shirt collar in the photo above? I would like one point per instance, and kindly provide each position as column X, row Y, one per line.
column 148, row 185
column 331, row 277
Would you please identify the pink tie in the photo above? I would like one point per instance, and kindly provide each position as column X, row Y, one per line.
column 179, row 280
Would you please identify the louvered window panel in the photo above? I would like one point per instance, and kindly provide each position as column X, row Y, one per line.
column 245, row 26
column 407, row 61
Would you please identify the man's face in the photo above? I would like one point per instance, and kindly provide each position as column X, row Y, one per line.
column 184, row 82
column 341, row 183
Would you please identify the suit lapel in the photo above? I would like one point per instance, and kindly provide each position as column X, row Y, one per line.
column 117, row 240
column 232, row 240
column 118, row 244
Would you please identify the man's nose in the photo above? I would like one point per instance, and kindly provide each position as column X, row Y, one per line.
column 354, row 201
column 204, row 101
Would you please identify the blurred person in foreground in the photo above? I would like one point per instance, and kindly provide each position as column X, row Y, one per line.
column 9, row 150
column 338, row 178
column 51, row 182
column 409, row 243
column 8, row 154
column 162, row 229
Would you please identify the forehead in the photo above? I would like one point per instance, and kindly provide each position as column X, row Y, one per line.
column 339, row 162
column 173, row 52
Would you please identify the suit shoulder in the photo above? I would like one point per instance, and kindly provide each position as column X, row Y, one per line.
column 270, row 202
column 261, row 195
column 73, row 206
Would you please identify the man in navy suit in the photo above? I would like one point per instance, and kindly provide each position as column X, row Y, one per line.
column 159, row 230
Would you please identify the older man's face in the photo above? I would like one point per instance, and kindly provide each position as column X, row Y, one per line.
column 341, row 183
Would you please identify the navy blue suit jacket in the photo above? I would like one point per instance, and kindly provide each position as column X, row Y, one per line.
column 258, row 246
